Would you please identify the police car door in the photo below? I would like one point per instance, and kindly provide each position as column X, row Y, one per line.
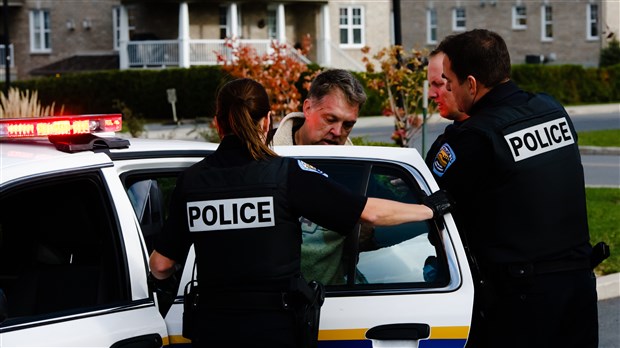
column 71, row 262
column 149, row 172
column 402, row 286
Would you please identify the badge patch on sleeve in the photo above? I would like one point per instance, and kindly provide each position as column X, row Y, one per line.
column 444, row 159
column 309, row 168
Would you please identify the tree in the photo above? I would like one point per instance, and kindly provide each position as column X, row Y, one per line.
column 400, row 81
column 278, row 71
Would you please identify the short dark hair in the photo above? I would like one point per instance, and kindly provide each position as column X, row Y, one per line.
column 480, row 53
column 344, row 80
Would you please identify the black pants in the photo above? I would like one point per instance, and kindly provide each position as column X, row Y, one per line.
column 549, row 310
column 246, row 328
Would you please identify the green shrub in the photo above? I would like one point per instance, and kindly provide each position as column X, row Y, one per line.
column 144, row 91
column 610, row 55
column 570, row 84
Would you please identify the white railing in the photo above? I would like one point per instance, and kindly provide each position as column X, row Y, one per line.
column 162, row 53
column 204, row 52
column 3, row 55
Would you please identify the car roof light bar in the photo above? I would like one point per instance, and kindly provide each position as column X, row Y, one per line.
column 59, row 125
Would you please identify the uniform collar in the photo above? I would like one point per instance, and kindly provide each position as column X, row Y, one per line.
column 495, row 96
column 232, row 152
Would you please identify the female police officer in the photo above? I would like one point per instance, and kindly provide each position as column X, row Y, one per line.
column 241, row 208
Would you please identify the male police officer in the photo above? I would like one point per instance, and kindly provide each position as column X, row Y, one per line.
column 444, row 100
column 515, row 173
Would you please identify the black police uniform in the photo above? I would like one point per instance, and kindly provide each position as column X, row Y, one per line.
column 515, row 173
column 243, row 217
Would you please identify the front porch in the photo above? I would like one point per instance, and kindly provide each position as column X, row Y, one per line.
column 199, row 48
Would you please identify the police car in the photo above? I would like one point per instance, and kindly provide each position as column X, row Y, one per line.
column 79, row 211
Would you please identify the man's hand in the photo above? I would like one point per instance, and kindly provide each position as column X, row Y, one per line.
column 440, row 203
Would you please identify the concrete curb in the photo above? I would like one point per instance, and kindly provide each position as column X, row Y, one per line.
column 593, row 109
column 597, row 150
column 608, row 286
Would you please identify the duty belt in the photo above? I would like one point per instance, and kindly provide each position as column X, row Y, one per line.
column 545, row 267
column 246, row 300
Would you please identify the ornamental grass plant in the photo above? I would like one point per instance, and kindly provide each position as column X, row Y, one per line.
column 24, row 104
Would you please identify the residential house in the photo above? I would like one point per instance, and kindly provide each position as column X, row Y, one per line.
column 535, row 31
column 338, row 29
column 50, row 37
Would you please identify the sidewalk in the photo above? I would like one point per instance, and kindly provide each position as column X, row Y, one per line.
column 573, row 111
column 608, row 286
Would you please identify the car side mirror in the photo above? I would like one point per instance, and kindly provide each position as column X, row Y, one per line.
column 4, row 312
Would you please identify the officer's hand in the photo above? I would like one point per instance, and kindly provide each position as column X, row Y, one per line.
column 165, row 289
column 440, row 203
column 165, row 286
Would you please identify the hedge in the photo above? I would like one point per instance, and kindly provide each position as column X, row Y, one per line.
column 144, row 91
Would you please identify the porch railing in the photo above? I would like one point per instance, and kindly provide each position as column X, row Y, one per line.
column 164, row 53
column 3, row 55
column 160, row 53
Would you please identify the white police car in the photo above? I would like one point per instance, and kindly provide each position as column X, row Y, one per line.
column 79, row 212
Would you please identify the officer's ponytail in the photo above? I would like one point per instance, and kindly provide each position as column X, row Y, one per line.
column 241, row 105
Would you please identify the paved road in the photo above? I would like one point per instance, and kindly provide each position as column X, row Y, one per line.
column 609, row 322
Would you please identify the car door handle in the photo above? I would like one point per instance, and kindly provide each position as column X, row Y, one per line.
column 144, row 341
column 405, row 331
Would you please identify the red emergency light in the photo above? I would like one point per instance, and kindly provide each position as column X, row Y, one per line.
column 59, row 125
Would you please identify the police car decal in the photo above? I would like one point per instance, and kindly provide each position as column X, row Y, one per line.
column 444, row 159
column 309, row 168
column 229, row 214
column 538, row 139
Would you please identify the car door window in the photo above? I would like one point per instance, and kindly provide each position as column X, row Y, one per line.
column 59, row 248
column 404, row 253
column 407, row 255
column 150, row 196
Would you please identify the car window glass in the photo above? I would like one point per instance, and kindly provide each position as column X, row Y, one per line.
column 398, row 254
column 59, row 248
column 408, row 255
column 150, row 197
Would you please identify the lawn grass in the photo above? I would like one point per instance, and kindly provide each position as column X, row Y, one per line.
column 607, row 137
column 604, row 220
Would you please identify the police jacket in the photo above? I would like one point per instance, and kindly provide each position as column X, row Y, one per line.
column 515, row 172
column 243, row 217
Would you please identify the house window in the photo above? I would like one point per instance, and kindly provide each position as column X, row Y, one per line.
column 40, row 41
column 458, row 19
column 592, row 22
column 272, row 27
column 223, row 22
column 546, row 26
column 519, row 17
column 116, row 26
column 351, row 26
column 431, row 26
